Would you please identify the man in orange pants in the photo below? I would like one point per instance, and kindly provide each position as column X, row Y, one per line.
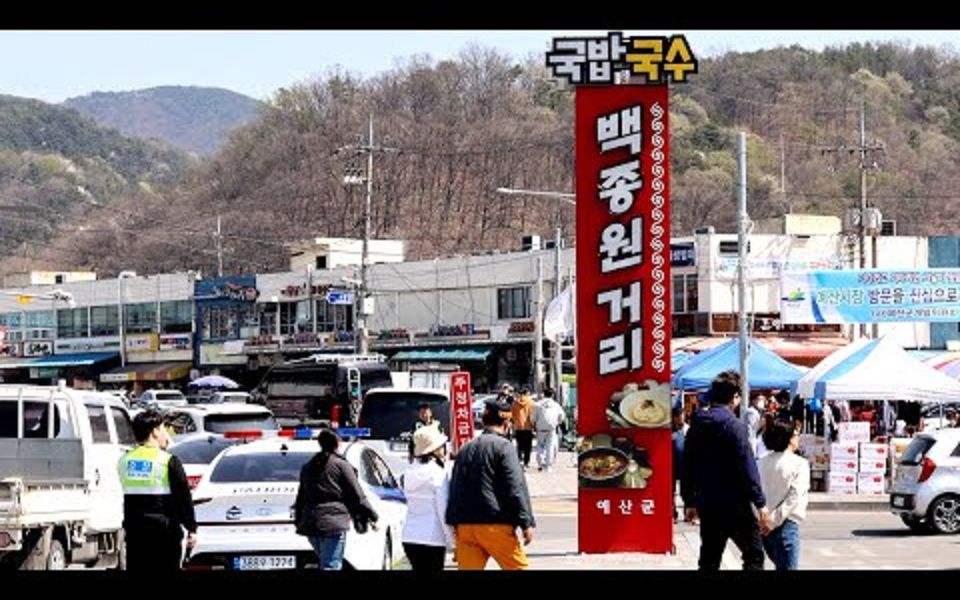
column 489, row 499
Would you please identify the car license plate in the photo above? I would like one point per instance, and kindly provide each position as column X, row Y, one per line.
column 898, row 501
column 264, row 563
column 399, row 446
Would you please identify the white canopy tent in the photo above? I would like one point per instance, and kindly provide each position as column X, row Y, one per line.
column 877, row 370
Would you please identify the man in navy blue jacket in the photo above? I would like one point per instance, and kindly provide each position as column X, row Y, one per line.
column 720, row 483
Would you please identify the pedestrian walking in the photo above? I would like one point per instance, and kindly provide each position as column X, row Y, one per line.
column 786, row 484
column 720, row 483
column 157, row 505
column 522, row 414
column 426, row 485
column 489, row 499
column 548, row 419
column 754, row 424
column 678, row 438
column 329, row 498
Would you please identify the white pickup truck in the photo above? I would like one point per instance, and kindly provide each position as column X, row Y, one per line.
column 61, row 501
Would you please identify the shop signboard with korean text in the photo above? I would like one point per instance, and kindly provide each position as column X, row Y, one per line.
column 461, row 413
column 624, row 460
column 623, row 275
column 870, row 296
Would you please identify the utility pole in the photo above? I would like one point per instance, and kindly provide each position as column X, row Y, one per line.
column 369, row 148
column 538, row 329
column 862, row 149
column 743, row 221
column 219, row 249
column 558, row 348
column 783, row 175
column 365, row 257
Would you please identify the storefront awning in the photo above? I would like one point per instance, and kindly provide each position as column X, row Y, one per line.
column 61, row 360
column 444, row 354
column 147, row 372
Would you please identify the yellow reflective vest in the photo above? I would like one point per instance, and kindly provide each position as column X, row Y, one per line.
column 145, row 471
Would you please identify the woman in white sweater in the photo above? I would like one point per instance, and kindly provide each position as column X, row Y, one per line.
column 785, row 478
column 426, row 485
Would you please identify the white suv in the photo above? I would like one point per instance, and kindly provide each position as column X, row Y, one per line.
column 221, row 418
column 161, row 399
column 926, row 490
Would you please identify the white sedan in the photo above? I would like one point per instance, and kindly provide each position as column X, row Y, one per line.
column 244, row 508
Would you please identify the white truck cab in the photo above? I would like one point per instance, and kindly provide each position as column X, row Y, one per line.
column 61, row 501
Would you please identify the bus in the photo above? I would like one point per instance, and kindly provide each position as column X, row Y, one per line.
column 323, row 389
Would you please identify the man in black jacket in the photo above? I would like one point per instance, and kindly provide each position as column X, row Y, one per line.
column 157, row 505
column 721, row 484
column 489, row 499
column 328, row 498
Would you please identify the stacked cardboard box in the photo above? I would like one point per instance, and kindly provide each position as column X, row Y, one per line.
column 856, row 465
column 873, row 468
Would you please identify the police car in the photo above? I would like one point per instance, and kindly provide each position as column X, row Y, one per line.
column 244, row 508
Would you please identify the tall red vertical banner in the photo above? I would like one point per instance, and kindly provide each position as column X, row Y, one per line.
column 623, row 319
column 461, row 413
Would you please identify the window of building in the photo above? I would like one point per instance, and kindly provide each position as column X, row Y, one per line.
column 11, row 320
column 103, row 321
column 140, row 318
column 513, row 303
column 72, row 323
column 288, row 318
column 321, row 262
column 38, row 319
column 334, row 317
column 268, row 319
column 220, row 323
column 58, row 279
column 176, row 317
column 686, row 295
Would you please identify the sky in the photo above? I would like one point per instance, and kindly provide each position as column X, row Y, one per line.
column 56, row 65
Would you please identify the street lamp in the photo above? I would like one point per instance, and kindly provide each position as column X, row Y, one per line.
column 58, row 294
column 123, row 340
column 568, row 198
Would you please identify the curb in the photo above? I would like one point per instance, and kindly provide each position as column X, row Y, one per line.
column 842, row 505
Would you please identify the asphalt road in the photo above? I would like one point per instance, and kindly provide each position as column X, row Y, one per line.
column 829, row 540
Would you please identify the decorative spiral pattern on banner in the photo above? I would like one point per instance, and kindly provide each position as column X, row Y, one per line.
column 656, row 243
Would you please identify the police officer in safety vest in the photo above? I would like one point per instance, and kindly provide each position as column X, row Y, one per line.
column 157, row 505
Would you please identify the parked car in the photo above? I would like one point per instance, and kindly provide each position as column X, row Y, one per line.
column 244, row 505
column 221, row 418
column 478, row 402
column 390, row 414
column 161, row 400
column 239, row 397
column 926, row 489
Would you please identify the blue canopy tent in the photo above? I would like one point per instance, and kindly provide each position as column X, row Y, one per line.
column 765, row 370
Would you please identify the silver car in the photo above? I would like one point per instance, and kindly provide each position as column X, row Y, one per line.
column 926, row 489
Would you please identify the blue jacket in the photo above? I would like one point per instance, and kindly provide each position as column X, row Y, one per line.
column 720, row 476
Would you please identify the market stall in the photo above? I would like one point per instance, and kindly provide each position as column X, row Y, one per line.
column 866, row 371
column 765, row 370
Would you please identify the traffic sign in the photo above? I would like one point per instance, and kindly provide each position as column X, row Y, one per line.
column 339, row 297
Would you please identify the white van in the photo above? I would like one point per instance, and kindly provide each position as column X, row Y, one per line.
column 61, row 501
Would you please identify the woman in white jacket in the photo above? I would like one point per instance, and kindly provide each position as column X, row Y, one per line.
column 426, row 485
column 785, row 478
